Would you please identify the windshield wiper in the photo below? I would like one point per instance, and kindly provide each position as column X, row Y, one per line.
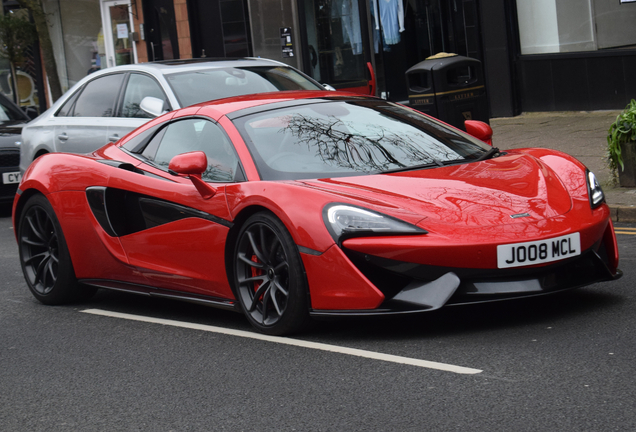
column 413, row 167
column 493, row 152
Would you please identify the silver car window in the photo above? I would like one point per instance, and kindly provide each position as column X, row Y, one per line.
column 67, row 108
column 138, row 87
column 199, row 86
column 99, row 97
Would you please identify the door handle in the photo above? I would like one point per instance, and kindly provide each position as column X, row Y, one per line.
column 113, row 138
column 62, row 137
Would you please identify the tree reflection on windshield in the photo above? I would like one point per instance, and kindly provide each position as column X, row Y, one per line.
column 327, row 138
column 376, row 148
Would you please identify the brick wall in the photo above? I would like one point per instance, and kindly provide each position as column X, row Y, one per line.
column 183, row 28
column 138, row 18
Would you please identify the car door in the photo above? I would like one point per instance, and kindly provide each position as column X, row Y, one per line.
column 82, row 126
column 178, row 241
column 130, row 115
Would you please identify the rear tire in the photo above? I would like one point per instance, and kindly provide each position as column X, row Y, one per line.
column 269, row 277
column 44, row 256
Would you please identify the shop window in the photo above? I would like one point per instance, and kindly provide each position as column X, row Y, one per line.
column 551, row 26
column 235, row 37
column 334, row 37
column 77, row 37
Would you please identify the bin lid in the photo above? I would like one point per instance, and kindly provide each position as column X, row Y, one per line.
column 441, row 60
column 440, row 55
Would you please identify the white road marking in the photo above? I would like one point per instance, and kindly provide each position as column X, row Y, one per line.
column 293, row 342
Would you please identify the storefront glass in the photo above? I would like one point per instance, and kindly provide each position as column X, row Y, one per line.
column 77, row 37
column 120, row 34
column 335, row 42
column 26, row 74
column 553, row 26
column 343, row 35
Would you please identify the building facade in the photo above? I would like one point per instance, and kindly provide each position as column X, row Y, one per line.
column 537, row 55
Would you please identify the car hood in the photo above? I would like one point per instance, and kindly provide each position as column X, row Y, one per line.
column 12, row 126
column 10, row 133
column 492, row 192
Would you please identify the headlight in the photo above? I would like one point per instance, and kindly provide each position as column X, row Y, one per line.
column 344, row 221
column 597, row 197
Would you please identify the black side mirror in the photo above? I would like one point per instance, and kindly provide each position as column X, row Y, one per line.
column 31, row 112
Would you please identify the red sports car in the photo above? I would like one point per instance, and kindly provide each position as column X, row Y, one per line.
column 293, row 205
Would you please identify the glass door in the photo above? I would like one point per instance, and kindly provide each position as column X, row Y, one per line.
column 117, row 25
column 337, row 52
column 160, row 28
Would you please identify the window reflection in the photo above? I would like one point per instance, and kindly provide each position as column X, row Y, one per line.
column 348, row 138
column 195, row 135
column 334, row 37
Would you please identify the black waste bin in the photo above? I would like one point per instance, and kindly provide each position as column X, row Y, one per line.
column 449, row 87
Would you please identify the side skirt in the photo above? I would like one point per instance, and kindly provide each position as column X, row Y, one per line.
column 161, row 293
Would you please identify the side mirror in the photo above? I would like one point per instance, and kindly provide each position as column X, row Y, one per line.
column 328, row 87
column 152, row 106
column 31, row 112
column 192, row 165
column 480, row 130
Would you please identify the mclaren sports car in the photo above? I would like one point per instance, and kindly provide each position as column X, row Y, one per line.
column 290, row 206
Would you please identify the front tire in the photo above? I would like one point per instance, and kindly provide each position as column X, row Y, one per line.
column 269, row 277
column 44, row 256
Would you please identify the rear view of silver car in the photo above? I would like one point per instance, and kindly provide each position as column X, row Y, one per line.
column 108, row 104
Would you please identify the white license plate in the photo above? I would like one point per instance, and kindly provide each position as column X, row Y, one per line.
column 537, row 252
column 12, row 177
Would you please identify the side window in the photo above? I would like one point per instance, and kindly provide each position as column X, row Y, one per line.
column 196, row 135
column 99, row 97
column 67, row 108
column 139, row 86
column 138, row 142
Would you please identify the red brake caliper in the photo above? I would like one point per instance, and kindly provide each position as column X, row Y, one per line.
column 257, row 272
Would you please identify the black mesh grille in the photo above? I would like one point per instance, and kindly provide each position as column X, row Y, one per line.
column 9, row 158
column 7, row 192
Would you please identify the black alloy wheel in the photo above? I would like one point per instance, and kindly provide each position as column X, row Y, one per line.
column 44, row 256
column 270, row 280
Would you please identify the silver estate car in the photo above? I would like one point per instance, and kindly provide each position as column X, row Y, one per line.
column 106, row 105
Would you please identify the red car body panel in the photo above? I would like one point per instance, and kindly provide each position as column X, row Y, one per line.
column 472, row 248
column 159, row 255
column 465, row 209
column 469, row 194
column 337, row 285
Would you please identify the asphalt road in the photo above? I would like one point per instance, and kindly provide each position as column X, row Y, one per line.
column 559, row 363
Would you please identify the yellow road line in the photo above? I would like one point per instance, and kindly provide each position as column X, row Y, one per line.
column 625, row 232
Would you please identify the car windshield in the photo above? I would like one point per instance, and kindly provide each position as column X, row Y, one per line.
column 209, row 84
column 337, row 138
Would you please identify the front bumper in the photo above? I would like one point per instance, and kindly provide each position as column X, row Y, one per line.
column 408, row 287
column 9, row 160
column 410, row 295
